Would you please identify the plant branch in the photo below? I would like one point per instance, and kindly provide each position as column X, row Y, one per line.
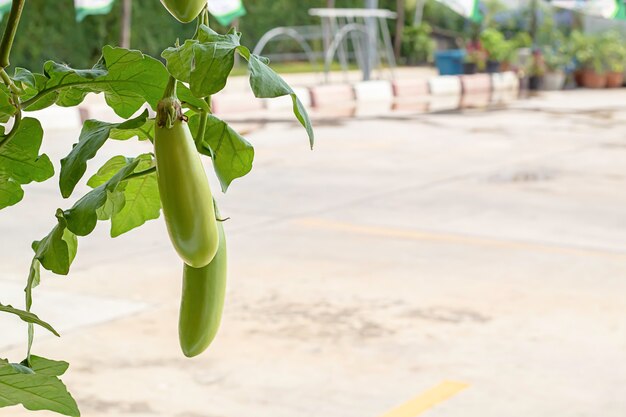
column 203, row 121
column 10, row 31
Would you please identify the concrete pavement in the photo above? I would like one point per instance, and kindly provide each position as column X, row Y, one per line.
column 487, row 247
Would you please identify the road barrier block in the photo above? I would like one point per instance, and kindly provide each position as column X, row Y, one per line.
column 410, row 88
column 476, row 83
column 476, row 100
column 373, row 91
column 286, row 102
column 444, row 103
column 445, row 85
column 331, row 94
column 501, row 81
column 235, row 103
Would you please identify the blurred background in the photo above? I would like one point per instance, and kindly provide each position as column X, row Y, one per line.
column 455, row 244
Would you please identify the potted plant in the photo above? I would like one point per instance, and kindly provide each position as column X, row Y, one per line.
column 614, row 53
column 588, row 52
column 556, row 58
column 499, row 50
column 536, row 71
column 521, row 51
column 475, row 58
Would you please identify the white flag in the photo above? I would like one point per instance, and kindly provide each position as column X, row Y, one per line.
column 470, row 9
column 87, row 7
column 609, row 9
column 225, row 11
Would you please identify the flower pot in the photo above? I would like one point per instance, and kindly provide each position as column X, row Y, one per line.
column 469, row 68
column 614, row 79
column 492, row 67
column 535, row 82
column 591, row 79
column 553, row 80
column 450, row 62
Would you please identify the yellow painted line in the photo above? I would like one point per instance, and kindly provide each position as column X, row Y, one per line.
column 398, row 233
column 427, row 400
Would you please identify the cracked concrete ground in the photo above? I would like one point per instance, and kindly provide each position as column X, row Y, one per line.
column 487, row 247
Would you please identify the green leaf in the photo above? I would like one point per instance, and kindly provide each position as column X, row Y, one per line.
column 186, row 97
column 108, row 170
column 135, row 201
column 37, row 391
column 28, row 317
column 31, row 84
column 92, row 136
column 83, row 216
column 232, row 155
column 10, row 192
column 213, row 63
column 115, row 202
column 22, row 369
column 57, row 250
column 7, row 109
column 204, row 63
column 179, row 59
column 127, row 78
column 20, row 162
column 143, row 132
column 266, row 83
column 34, row 278
column 49, row 367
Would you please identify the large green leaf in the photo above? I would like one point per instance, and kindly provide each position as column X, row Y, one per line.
column 83, row 216
column 36, row 391
column 57, row 250
column 28, row 317
column 10, row 192
column 49, row 367
column 232, row 155
column 127, row 78
column 135, row 200
column 20, row 162
column 266, row 83
column 204, row 63
column 92, row 136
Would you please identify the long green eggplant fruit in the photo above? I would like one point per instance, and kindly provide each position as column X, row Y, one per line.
column 202, row 302
column 184, row 188
column 184, row 10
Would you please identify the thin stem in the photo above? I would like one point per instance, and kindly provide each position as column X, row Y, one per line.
column 170, row 90
column 205, row 16
column 201, row 129
column 199, row 21
column 140, row 173
column 9, row 32
column 16, row 126
column 203, row 122
column 15, row 92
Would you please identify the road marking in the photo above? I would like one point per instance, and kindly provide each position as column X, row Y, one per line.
column 427, row 400
column 409, row 234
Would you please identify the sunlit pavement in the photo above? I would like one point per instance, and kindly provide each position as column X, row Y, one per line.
column 486, row 247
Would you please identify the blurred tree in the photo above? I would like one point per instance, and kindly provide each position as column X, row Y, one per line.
column 49, row 28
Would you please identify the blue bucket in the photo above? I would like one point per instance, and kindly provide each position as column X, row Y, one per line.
column 450, row 62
